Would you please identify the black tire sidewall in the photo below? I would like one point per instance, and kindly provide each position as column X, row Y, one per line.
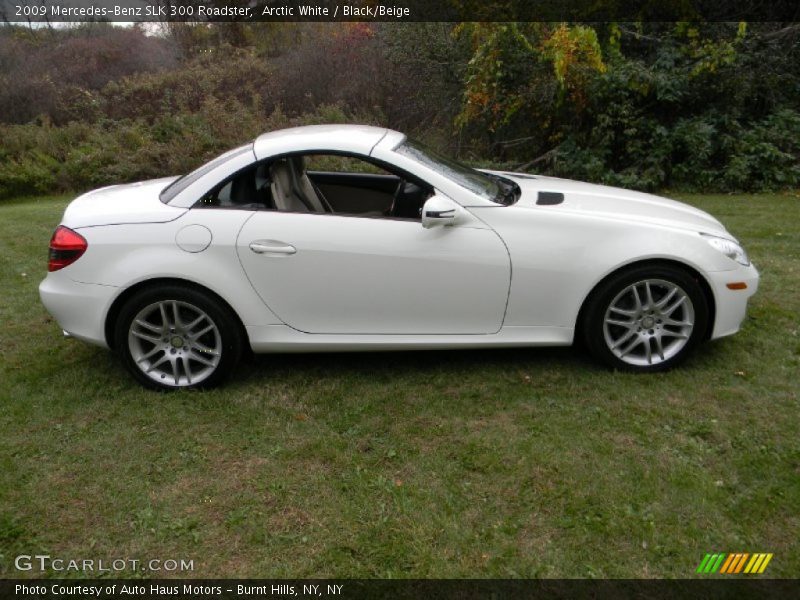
column 594, row 315
column 226, row 324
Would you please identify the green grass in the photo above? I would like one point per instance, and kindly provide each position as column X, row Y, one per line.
column 495, row 463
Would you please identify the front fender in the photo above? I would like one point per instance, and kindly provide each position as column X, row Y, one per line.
column 558, row 258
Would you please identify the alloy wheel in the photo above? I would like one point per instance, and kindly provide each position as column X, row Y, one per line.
column 649, row 322
column 175, row 343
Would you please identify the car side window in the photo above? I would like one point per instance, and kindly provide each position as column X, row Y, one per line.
column 248, row 189
column 345, row 185
column 322, row 183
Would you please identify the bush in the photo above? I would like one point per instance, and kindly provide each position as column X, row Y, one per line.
column 648, row 106
column 56, row 72
column 43, row 158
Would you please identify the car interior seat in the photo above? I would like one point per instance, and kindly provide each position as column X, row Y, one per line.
column 291, row 188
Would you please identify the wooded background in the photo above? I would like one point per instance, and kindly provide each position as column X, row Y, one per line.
column 652, row 106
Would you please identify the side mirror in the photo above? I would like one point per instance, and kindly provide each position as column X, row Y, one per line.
column 439, row 210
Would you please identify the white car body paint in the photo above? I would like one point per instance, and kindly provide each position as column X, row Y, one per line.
column 499, row 276
column 379, row 276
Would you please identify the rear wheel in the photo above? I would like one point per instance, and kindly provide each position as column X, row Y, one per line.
column 175, row 337
column 648, row 318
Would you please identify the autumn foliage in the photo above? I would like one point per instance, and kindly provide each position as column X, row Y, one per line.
column 679, row 105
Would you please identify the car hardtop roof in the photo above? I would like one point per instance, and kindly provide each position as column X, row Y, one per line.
column 358, row 139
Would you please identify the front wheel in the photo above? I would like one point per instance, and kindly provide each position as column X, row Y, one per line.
column 177, row 337
column 647, row 318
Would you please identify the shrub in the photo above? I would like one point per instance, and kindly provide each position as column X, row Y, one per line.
column 43, row 158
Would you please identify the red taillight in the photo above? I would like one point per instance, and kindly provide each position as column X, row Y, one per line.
column 66, row 247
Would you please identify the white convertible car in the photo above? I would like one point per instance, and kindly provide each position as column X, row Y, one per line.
column 346, row 237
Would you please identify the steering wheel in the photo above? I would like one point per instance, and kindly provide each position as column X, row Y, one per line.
column 397, row 191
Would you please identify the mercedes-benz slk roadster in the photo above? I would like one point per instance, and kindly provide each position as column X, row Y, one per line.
column 348, row 237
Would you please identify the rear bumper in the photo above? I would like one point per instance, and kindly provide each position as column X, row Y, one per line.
column 731, row 304
column 79, row 308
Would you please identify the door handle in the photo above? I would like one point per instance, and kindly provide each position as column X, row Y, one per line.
column 272, row 247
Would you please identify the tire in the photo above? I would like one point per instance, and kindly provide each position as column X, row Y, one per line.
column 645, row 319
column 198, row 349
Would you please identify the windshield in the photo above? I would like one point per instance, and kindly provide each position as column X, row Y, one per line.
column 484, row 185
column 180, row 184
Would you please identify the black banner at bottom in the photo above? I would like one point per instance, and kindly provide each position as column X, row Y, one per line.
column 400, row 589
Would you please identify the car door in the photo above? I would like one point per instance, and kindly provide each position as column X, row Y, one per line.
column 335, row 274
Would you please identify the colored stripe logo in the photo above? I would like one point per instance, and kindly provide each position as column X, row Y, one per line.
column 731, row 564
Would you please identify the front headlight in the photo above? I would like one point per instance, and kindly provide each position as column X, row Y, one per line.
column 729, row 248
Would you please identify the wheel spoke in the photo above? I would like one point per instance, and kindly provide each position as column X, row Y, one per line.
column 194, row 323
column 675, row 323
column 185, row 360
column 674, row 306
column 150, row 326
column 648, row 294
column 659, row 347
column 636, row 341
column 164, row 318
column 623, row 311
column 202, row 332
column 159, row 362
column 675, row 334
column 175, row 370
column 628, row 334
column 665, row 300
column 150, row 338
column 152, row 352
column 201, row 359
column 176, row 314
column 626, row 324
column 636, row 297
column 648, row 351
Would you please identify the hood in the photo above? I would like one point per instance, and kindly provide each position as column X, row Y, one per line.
column 117, row 204
column 615, row 203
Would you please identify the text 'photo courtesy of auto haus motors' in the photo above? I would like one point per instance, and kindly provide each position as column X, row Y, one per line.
column 349, row 237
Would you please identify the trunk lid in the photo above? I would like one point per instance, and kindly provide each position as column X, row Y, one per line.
column 117, row 204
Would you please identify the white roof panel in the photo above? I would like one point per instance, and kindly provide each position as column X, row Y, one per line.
column 359, row 139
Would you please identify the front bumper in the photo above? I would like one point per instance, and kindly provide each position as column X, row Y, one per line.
column 79, row 308
column 731, row 304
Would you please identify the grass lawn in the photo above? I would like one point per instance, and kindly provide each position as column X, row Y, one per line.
column 492, row 463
